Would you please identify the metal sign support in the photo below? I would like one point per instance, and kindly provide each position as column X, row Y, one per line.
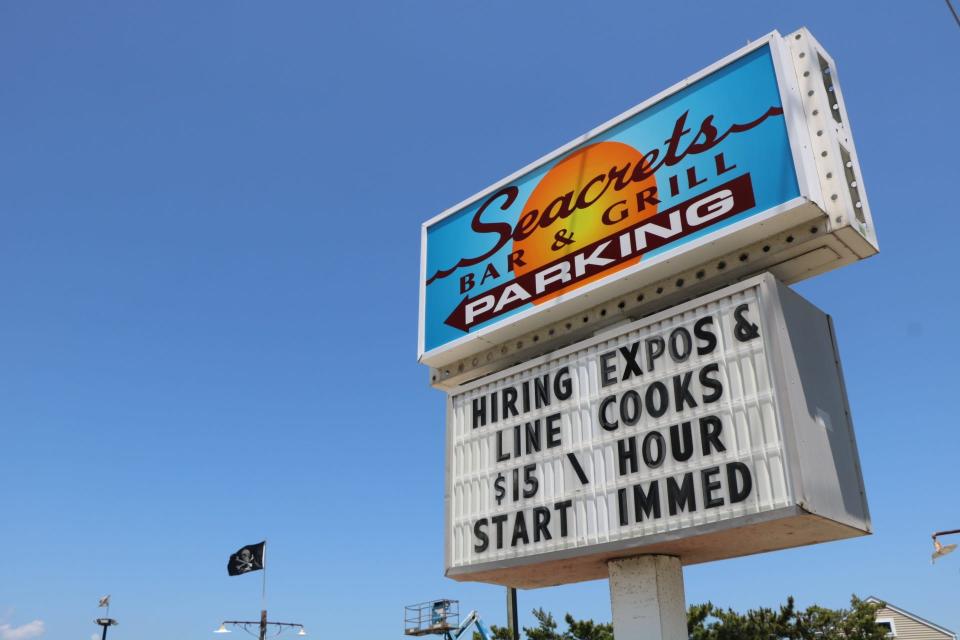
column 646, row 596
column 513, row 627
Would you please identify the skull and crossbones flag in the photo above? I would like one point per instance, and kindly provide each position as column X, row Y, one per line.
column 247, row 559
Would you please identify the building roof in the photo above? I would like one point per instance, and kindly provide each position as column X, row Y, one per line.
column 912, row 616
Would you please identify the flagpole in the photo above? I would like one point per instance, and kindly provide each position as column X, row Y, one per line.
column 263, row 595
column 263, row 591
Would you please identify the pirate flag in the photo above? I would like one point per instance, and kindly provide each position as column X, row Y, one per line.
column 247, row 559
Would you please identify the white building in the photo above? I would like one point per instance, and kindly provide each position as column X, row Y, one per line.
column 904, row 625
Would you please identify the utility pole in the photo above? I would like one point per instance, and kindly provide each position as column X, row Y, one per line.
column 512, row 625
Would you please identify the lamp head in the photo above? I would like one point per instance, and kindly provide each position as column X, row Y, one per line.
column 940, row 550
column 302, row 632
column 222, row 629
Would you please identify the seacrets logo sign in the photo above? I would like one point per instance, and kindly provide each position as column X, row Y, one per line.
column 603, row 256
column 663, row 179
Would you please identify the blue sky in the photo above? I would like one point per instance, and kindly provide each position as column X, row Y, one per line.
column 209, row 236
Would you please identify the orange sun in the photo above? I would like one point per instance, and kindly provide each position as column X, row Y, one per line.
column 586, row 180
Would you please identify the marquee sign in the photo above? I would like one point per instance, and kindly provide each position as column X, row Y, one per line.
column 723, row 158
column 715, row 429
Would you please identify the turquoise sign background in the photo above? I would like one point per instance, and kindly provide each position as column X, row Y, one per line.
column 742, row 93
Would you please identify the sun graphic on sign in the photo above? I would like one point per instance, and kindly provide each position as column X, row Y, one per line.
column 586, row 181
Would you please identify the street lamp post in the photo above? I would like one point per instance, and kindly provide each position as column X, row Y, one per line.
column 105, row 622
column 940, row 550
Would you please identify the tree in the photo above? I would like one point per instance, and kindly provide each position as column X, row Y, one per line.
column 545, row 630
column 859, row 622
column 499, row 633
column 587, row 629
column 709, row 622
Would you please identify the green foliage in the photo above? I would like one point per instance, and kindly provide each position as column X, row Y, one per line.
column 587, row 629
column 499, row 633
column 545, row 630
column 859, row 622
column 709, row 622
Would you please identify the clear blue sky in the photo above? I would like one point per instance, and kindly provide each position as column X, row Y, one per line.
column 209, row 237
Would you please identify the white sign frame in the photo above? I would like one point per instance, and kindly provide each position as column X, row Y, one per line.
column 827, row 500
column 816, row 158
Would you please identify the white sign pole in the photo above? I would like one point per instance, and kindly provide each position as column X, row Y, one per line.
column 646, row 596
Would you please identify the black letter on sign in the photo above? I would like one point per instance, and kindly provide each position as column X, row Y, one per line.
column 648, row 441
column 532, row 440
column 606, row 424
column 509, row 402
column 562, row 386
column 482, row 537
column 572, row 457
column 530, row 482
column 647, row 503
column 709, row 486
column 626, row 454
column 710, row 430
column 606, row 369
column 541, row 518
column 681, row 441
column 553, row 430
column 699, row 330
column 541, row 391
column 630, row 407
column 655, row 347
column 745, row 330
column 499, row 520
column 681, row 352
column 479, row 411
column 713, row 384
column 562, row 508
column 519, row 530
column 681, row 497
column 681, row 391
column 738, row 492
column 664, row 399
column 622, row 507
column 630, row 357
column 501, row 456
